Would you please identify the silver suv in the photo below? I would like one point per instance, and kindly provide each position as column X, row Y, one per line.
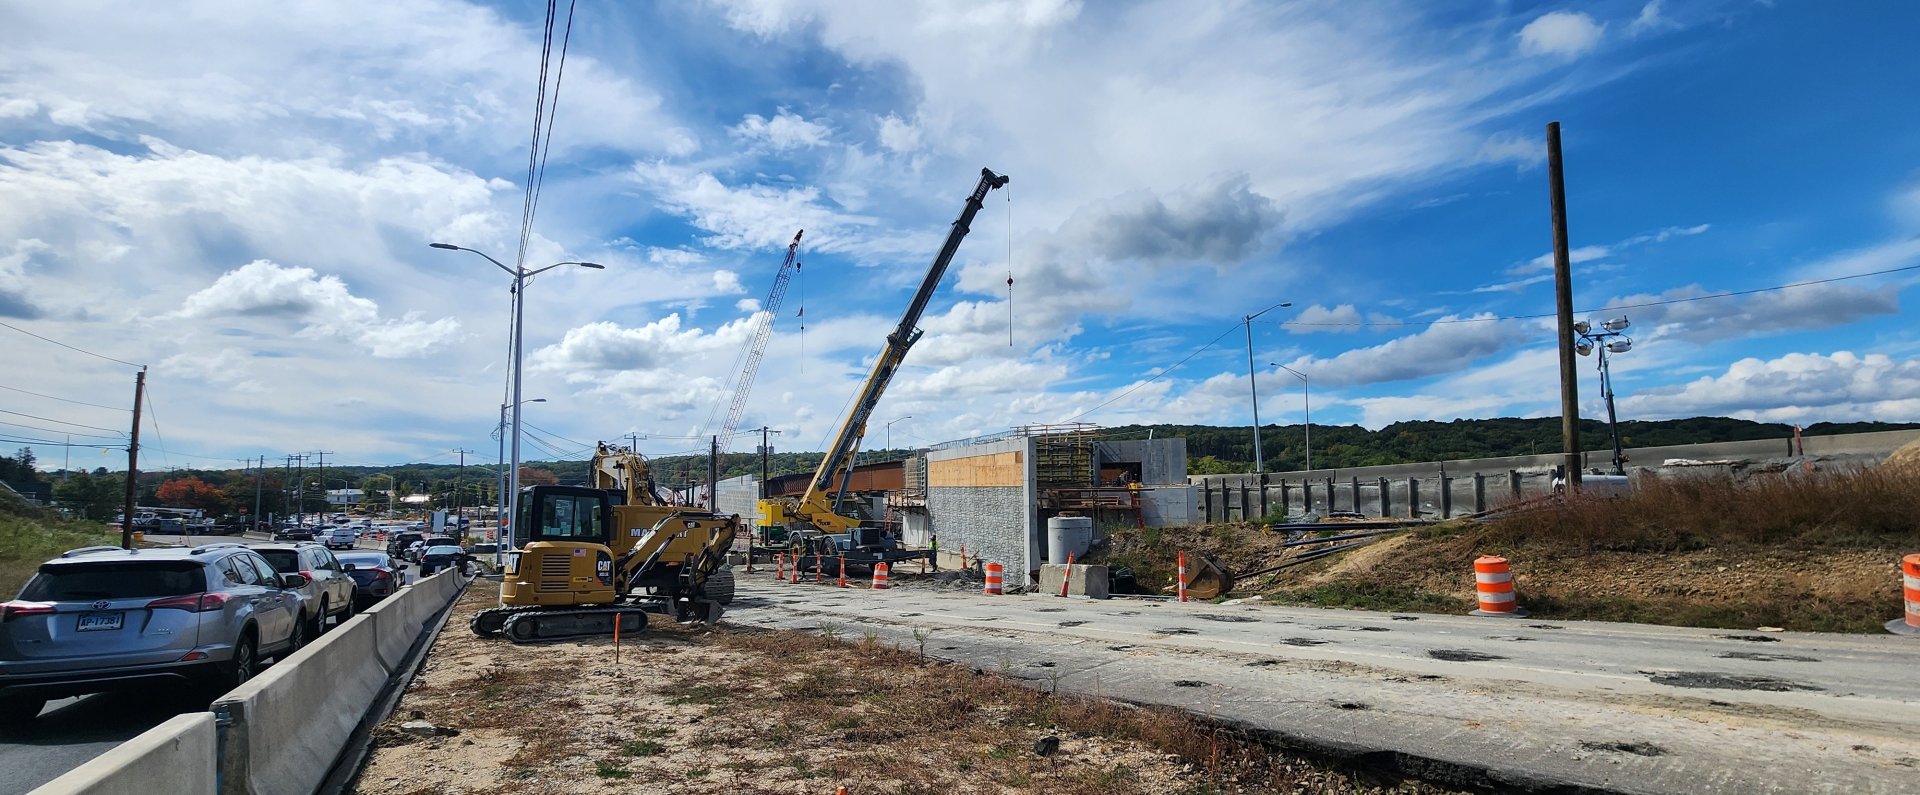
column 329, row 590
column 104, row 618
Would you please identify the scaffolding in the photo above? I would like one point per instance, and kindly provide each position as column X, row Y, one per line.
column 1063, row 455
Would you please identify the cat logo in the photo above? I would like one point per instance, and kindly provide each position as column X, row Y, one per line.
column 691, row 524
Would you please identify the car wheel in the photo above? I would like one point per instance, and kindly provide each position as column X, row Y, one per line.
column 236, row 671
column 347, row 612
column 298, row 637
column 15, row 710
column 319, row 619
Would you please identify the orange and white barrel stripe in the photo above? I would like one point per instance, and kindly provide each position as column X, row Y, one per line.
column 1493, row 582
column 996, row 575
column 1910, row 594
column 880, row 576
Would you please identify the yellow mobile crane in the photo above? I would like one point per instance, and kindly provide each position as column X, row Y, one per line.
column 606, row 553
column 813, row 526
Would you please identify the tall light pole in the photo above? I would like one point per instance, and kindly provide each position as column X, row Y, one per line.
column 391, row 486
column 519, row 275
column 1608, row 340
column 500, row 490
column 1305, row 395
column 1259, row 460
column 890, row 434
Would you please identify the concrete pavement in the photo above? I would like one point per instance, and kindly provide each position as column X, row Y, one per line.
column 1577, row 706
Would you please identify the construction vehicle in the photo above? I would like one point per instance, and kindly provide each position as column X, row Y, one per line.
column 605, row 555
column 812, row 527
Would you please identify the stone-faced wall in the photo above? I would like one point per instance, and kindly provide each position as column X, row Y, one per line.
column 982, row 497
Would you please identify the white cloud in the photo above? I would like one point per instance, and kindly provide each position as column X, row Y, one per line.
column 15, row 298
column 1650, row 20
column 1565, row 34
column 1809, row 307
column 897, row 135
column 1509, row 148
column 786, row 131
column 1340, row 319
column 1797, row 387
column 321, row 305
column 1443, row 347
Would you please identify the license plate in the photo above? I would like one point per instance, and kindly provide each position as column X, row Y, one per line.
column 97, row 621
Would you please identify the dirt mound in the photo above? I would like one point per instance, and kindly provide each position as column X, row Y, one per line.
column 1907, row 457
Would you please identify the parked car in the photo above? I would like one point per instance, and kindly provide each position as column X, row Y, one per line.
column 104, row 618
column 330, row 586
column 397, row 543
column 376, row 575
column 443, row 556
column 417, row 548
column 339, row 538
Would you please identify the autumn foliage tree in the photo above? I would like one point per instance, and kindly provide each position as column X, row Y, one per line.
column 538, row 477
column 192, row 492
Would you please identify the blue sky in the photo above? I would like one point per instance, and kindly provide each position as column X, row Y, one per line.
column 241, row 198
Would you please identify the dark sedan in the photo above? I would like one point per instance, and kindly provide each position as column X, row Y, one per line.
column 376, row 574
column 444, row 556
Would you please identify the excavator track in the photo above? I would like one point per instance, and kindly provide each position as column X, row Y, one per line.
column 540, row 625
column 488, row 623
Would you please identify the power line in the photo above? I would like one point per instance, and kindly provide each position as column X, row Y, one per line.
column 160, row 442
column 60, row 422
column 56, row 430
column 1157, row 376
column 67, row 400
column 70, row 347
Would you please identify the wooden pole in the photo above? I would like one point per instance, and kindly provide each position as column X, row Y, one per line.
column 133, row 460
column 1563, row 307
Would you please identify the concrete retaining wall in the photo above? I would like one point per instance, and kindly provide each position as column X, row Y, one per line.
column 175, row 758
column 981, row 497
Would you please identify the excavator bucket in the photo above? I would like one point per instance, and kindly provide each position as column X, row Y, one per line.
column 1206, row 578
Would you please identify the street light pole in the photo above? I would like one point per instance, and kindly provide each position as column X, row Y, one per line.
column 1305, row 395
column 1259, row 459
column 519, row 275
column 1609, row 339
column 890, row 435
column 500, row 489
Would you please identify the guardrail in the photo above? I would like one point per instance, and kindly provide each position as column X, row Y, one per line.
column 282, row 732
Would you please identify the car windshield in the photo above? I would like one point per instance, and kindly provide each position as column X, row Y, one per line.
column 117, row 580
column 443, row 550
column 285, row 561
column 363, row 561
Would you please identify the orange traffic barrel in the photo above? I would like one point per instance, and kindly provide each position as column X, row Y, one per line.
column 995, row 576
column 1910, row 594
column 879, row 576
column 1494, row 583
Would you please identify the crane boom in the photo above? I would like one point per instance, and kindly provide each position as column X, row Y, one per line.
column 757, row 344
column 838, row 461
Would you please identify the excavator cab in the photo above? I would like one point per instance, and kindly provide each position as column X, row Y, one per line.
column 567, row 557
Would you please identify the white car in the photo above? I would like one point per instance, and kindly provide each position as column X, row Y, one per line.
column 338, row 538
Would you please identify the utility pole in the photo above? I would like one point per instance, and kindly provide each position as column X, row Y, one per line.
column 133, row 460
column 259, row 476
column 713, row 475
column 765, row 451
column 459, row 483
column 321, row 457
column 1563, row 307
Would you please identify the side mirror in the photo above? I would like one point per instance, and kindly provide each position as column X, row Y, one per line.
column 346, row 567
column 293, row 581
column 399, row 567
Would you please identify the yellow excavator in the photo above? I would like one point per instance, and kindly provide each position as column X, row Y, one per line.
column 609, row 553
column 813, row 526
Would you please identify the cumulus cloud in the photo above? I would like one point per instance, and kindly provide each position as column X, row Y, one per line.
column 1809, row 307
column 1797, row 387
column 1342, row 319
column 320, row 305
column 785, row 131
column 1441, row 348
column 14, row 300
column 1565, row 34
column 1650, row 20
column 898, row 135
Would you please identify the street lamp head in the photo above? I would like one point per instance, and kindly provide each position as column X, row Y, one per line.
column 1581, row 327
column 594, row 265
column 447, row 246
column 1619, row 346
column 1583, row 347
column 1616, row 324
column 1287, row 304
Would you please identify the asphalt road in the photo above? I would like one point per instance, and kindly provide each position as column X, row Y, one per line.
column 1507, row 702
column 73, row 730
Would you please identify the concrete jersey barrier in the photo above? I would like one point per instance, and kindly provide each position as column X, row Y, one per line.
column 175, row 757
column 286, row 727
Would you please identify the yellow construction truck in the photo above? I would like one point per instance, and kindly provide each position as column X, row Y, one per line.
column 606, row 553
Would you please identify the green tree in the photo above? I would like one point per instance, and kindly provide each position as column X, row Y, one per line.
column 94, row 497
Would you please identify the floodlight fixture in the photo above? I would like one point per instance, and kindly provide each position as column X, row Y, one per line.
column 1583, row 348
column 1581, row 327
column 1616, row 324
column 1619, row 346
